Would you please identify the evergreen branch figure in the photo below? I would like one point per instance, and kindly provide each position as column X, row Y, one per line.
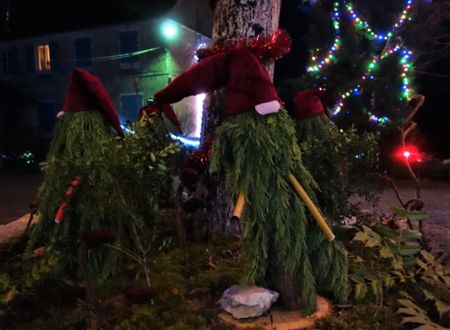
column 256, row 147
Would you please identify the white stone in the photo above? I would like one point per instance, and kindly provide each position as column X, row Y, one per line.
column 245, row 302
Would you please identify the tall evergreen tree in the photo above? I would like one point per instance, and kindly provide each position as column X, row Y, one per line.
column 359, row 55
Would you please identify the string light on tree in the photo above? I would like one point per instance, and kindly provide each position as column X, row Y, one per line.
column 372, row 66
column 361, row 24
column 318, row 64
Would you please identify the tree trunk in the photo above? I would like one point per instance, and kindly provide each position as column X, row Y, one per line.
column 233, row 20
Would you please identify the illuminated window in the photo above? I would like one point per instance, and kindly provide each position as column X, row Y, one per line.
column 43, row 52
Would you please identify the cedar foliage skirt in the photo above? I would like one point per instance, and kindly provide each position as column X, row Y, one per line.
column 283, row 246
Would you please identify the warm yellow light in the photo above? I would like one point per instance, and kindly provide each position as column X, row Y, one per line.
column 43, row 52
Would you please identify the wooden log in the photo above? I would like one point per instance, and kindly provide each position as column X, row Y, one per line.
column 278, row 319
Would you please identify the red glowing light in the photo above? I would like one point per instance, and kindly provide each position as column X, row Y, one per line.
column 409, row 153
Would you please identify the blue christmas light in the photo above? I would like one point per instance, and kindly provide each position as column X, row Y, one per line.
column 190, row 142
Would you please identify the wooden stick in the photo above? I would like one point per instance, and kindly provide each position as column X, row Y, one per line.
column 312, row 208
column 239, row 206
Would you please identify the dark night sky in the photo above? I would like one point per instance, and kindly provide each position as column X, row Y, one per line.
column 46, row 16
column 31, row 17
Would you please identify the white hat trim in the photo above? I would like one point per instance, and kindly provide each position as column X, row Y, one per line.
column 267, row 108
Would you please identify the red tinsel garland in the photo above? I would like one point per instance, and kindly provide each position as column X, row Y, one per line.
column 264, row 47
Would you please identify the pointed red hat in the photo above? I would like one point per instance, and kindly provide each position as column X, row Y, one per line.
column 86, row 92
column 247, row 84
column 307, row 104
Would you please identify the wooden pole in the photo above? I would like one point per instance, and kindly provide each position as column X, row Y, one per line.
column 312, row 208
column 239, row 206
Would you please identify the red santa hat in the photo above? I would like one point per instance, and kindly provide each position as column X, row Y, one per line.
column 307, row 104
column 86, row 92
column 247, row 84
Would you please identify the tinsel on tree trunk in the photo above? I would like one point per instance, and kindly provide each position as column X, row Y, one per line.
column 284, row 248
column 233, row 20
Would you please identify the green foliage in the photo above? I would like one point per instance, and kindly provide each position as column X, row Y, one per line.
column 386, row 260
column 341, row 162
column 257, row 153
column 186, row 287
column 411, row 313
column 41, row 269
column 117, row 190
column 141, row 318
column 410, row 215
column 7, row 290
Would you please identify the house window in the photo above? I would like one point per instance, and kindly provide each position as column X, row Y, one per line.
column 129, row 107
column 83, row 52
column 129, row 44
column 10, row 61
column 43, row 53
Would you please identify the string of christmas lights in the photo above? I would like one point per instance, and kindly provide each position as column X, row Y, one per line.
column 361, row 25
column 318, row 64
column 407, row 70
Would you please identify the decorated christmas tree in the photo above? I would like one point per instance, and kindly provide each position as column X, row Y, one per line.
column 359, row 57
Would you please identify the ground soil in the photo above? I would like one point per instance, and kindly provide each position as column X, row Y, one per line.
column 17, row 192
column 436, row 197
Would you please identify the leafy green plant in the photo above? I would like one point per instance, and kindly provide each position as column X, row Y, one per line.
column 7, row 289
column 385, row 260
column 390, row 247
column 43, row 267
column 346, row 161
column 411, row 313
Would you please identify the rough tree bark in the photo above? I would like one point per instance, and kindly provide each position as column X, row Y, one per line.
column 233, row 20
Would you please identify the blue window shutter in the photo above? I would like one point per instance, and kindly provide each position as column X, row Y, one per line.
column 53, row 55
column 83, row 52
column 29, row 59
column 13, row 60
column 129, row 43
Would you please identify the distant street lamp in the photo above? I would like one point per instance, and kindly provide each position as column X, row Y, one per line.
column 169, row 29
